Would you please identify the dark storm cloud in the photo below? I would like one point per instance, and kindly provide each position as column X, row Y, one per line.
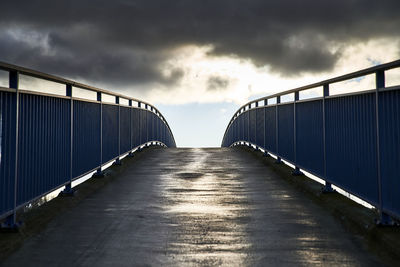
column 217, row 83
column 128, row 41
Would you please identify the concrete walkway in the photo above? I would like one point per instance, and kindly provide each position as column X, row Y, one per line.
column 194, row 207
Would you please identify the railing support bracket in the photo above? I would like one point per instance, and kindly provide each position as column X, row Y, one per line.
column 327, row 188
column 98, row 174
column 9, row 226
column 386, row 220
column 118, row 162
column 68, row 191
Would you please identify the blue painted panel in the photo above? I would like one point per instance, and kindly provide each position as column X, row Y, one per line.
column 351, row 144
column 309, row 136
column 252, row 126
column 143, row 126
column 110, row 132
column 389, row 135
column 44, row 149
column 159, row 134
column 286, row 131
column 163, row 132
column 7, row 156
column 125, row 129
column 270, row 129
column 246, row 120
column 260, row 127
column 154, row 122
column 150, row 118
column 86, row 136
column 135, row 127
column 236, row 131
column 241, row 127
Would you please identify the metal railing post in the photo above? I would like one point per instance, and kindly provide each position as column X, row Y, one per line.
column 130, row 154
column 140, row 127
column 147, row 124
column 11, row 221
column 296, row 171
column 68, row 187
column 99, row 172
column 328, row 186
column 265, row 129
column 278, row 159
column 255, row 126
column 248, row 125
column 384, row 218
column 118, row 160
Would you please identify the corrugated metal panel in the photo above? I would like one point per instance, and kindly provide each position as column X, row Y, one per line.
column 45, row 145
column 246, row 120
column 7, row 150
column 110, row 132
column 270, row 129
column 135, row 127
column 389, row 135
column 260, row 127
column 86, row 137
column 241, row 126
column 163, row 127
column 351, row 144
column 309, row 136
column 154, row 127
column 143, row 126
column 125, row 129
column 149, row 117
column 236, row 131
column 252, row 126
column 286, row 131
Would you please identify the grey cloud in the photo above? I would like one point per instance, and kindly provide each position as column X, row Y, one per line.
column 217, row 83
column 126, row 42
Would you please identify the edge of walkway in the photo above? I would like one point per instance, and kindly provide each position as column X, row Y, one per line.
column 36, row 219
column 355, row 218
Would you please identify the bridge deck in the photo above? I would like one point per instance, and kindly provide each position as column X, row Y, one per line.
column 194, row 207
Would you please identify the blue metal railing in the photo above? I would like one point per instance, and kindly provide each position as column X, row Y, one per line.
column 349, row 140
column 48, row 141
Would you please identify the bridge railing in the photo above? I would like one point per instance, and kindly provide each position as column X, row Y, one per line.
column 349, row 140
column 48, row 141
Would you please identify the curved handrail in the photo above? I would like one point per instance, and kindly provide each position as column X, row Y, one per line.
column 50, row 140
column 352, row 75
column 53, row 78
column 348, row 140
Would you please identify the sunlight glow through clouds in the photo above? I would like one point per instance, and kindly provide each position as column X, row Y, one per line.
column 246, row 82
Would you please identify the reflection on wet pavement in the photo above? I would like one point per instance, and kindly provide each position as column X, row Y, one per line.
column 194, row 207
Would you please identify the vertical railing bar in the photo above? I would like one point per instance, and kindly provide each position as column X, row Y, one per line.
column 296, row 168
column 68, row 187
column 265, row 128
column 130, row 127
column 255, row 125
column 118, row 160
column 100, row 99
column 248, row 124
column 278, row 158
column 14, row 83
column 380, row 83
column 328, row 186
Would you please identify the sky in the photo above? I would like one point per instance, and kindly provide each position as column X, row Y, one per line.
column 199, row 61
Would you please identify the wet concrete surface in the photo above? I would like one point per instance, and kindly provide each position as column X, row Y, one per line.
column 192, row 207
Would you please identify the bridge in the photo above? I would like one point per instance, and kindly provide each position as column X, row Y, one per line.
column 162, row 205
